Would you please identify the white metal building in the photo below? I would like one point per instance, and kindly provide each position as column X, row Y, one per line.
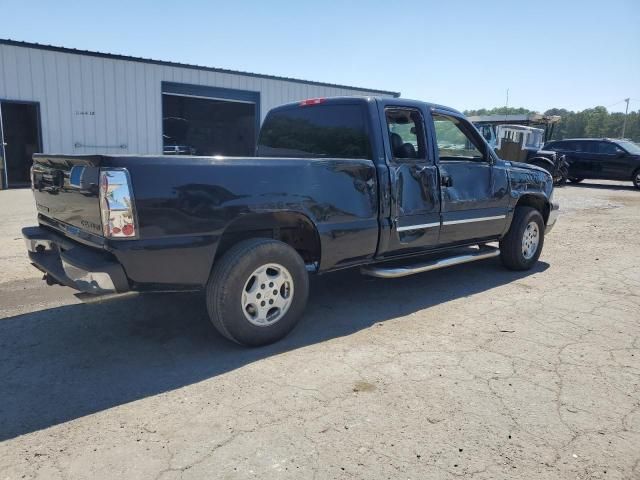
column 62, row 100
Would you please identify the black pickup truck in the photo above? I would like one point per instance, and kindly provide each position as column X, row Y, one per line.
column 392, row 186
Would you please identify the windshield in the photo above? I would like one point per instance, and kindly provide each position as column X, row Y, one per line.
column 630, row 147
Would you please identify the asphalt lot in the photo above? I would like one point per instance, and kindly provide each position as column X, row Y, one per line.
column 472, row 372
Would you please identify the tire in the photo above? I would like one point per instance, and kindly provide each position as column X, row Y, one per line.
column 512, row 246
column 636, row 178
column 575, row 180
column 236, row 301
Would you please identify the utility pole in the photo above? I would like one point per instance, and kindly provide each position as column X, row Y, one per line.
column 506, row 106
column 626, row 111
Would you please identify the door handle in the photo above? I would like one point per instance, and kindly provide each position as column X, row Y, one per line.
column 446, row 181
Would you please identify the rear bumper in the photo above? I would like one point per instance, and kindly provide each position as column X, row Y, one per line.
column 69, row 263
column 553, row 216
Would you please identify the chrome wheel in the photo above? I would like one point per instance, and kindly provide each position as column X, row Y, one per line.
column 530, row 240
column 267, row 295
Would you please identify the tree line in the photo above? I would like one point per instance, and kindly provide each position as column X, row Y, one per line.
column 593, row 122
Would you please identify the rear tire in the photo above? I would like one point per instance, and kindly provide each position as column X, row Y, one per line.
column 521, row 246
column 257, row 291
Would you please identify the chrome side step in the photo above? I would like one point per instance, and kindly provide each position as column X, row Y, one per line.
column 403, row 271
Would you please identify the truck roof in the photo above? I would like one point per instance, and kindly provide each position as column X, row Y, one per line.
column 600, row 139
column 396, row 101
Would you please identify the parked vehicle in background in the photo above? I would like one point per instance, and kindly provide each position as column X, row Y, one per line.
column 600, row 159
column 344, row 182
column 521, row 143
column 175, row 130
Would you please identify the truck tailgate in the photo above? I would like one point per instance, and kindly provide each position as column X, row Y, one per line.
column 66, row 189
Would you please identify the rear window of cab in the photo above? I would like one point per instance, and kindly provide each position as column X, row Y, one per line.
column 324, row 131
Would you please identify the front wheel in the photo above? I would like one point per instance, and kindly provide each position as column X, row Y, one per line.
column 521, row 246
column 257, row 291
column 636, row 178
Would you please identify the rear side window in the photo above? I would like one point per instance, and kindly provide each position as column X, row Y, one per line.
column 563, row 146
column 406, row 133
column 587, row 147
column 333, row 131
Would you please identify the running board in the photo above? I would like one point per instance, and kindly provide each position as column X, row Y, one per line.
column 403, row 271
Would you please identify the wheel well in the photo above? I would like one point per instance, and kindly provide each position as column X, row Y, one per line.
column 534, row 201
column 292, row 228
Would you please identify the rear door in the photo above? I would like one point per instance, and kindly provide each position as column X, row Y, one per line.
column 474, row 186
column 415, row 208
column 569, row 150
column 587, row 160
column 573, row 150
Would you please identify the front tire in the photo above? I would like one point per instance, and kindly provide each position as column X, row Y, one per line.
column 636, row 178
column 521, row 246
column 257, row 291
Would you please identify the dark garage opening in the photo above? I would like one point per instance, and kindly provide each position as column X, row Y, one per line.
column 21, row 136
column 202, row 126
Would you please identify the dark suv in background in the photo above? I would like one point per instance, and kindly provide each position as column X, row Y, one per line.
column 600, row 158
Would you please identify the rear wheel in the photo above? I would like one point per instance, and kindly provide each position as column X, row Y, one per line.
column 636, row 178
column 257, row 291
column 521, row 246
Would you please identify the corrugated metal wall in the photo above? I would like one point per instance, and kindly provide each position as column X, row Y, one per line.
column 108, row 103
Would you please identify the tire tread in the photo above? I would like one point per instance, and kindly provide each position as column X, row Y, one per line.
column 222, row 270
column 511, row 244
column 223, row 277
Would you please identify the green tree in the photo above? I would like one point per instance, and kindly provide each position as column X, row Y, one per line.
column 593, row 122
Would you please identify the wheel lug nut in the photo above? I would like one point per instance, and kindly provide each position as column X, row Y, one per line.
column 262, row 304
column 270, row 302
column 271, row 284
column 258, row 295
column 262, row 286
column 275, row 292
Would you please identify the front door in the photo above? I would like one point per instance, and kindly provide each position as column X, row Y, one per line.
column 21, row 139
column 475, row 193
column 614, row 160
column 414, row 182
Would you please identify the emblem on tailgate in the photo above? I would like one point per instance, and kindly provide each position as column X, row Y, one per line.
column 91, row 225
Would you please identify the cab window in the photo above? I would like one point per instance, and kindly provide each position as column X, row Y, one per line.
column 406, row 133
column 455, row 139
column 324, row 130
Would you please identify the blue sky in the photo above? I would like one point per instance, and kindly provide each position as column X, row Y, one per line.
column 465, row 54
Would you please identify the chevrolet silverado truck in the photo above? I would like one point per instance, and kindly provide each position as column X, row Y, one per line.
column 391, row 186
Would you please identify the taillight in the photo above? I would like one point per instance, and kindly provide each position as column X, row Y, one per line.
column 116, row 204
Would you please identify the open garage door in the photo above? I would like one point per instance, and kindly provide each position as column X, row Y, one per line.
column 208, row 125
column 19, row 140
